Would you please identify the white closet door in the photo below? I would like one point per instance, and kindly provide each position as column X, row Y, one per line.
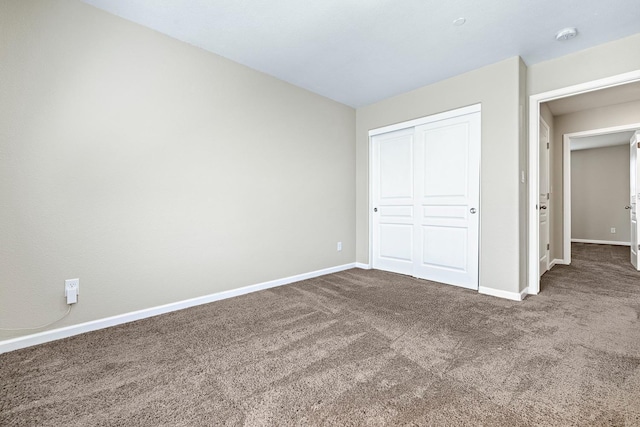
column 426, row 198
column 393, row 191
column 447, row 200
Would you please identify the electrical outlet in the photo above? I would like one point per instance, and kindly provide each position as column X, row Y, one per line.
column 339, row 246
column 613, row 230
column 71, row 290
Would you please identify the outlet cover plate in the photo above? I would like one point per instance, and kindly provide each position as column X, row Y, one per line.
column 71, row 285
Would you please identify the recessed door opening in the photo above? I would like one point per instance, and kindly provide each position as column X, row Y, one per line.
column 598, row 193
column 597, row 96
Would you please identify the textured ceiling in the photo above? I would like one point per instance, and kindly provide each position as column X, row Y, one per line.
column 361, row 51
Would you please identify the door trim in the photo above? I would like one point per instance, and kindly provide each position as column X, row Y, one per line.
column 566, row 180
column 533, row 282
column 475, row 108
column 634, row 144
column 543, row 122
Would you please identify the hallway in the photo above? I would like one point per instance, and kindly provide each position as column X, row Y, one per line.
column 595, row 269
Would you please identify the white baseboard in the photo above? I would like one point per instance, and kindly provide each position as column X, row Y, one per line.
column 514, row 296
column 363, row 266
column 69, row 331
column 558, row 261
column 601, row 242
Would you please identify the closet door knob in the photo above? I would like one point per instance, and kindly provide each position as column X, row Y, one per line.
column 472, row 210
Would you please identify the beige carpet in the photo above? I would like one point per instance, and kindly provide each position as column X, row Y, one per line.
column 355, row 348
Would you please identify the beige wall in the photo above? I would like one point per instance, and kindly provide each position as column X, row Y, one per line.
column 155, row 171
column 599, row 193
column 597, row 118
column 546, row 114
column 605, row 60
column 497, row 87
column 523, row 167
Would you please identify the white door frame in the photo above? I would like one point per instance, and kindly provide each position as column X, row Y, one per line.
column 534, row 120
column 634, row 144
column 566, row 178
column 548, row 171
column 403, row 125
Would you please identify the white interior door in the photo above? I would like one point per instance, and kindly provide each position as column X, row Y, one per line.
column 633, row 202
column 426, row 199
column 543, row 198
column 393, row 190
column 447, row 201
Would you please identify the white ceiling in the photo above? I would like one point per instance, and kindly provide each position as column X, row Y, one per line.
column 599, row 98
column 361, row 51
column 599, row 141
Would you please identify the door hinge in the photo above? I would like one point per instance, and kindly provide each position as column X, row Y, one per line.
column 547, row 246
column 547, row 196
column 547, row 145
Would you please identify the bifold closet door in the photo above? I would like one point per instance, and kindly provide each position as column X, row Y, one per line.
column 426, row 196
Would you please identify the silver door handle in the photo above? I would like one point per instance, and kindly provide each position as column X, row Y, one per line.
column 472, row 210
column 627, row 207
column 543, row 207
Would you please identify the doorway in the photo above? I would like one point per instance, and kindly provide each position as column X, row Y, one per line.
column 534, row 162
column 618, row 136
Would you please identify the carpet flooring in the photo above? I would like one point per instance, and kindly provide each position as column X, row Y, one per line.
column 351, row 349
